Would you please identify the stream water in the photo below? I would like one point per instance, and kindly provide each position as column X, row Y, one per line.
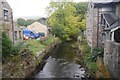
column 62, row 63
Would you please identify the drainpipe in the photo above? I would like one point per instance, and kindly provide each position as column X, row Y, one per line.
column 12, row 26
column 98, row 28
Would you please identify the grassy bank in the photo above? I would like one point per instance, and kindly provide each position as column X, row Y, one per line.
column 23, row 64
column 37, row 45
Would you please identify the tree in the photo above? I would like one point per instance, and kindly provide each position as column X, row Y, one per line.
column 63, row 21
column 21, row 22
column 83, row 24
column 81, row 9
column 29, row 21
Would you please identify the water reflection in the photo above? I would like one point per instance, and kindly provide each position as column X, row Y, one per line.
column 61, row 64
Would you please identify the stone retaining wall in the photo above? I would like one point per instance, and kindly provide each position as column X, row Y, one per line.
column 112, row 58
column 27, row 65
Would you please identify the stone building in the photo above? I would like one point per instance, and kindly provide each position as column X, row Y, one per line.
column 6, row 18
column 92, row 25
column 95, row 30
column 103, row 31
column 111, row 24
column 37, row 27
column 18, row 34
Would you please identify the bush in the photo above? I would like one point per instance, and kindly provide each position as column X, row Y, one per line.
column 6, row 44
column 87, row 57
column 86, row 48
column 16, row 48
column 97, row 53
column 92, row 66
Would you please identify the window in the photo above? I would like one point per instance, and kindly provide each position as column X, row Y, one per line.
column 15, row 35
column 6, row 15
column 20, row 37
column 103, row 37
column 116, row 36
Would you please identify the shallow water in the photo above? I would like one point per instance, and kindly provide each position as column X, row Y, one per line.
column 61, row 64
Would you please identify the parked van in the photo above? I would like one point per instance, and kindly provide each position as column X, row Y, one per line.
column 27, row 34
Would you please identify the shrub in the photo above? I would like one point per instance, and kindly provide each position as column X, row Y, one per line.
column 92, row 66
column 8, row 48
column 16, row 48
column 6, row 44
column 97, row 53
column 86, row 48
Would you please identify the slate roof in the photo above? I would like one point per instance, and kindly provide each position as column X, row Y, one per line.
column 103, row 1
column 116, row 24
column 112, row 19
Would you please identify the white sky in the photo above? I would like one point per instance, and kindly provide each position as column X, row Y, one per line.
column 29, row 8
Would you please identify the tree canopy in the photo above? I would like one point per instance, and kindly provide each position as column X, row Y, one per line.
column 23, row 22
column 64, row 19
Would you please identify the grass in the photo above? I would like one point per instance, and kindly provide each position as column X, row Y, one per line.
column 17, row 65
column 36, row 45
column 50, row 39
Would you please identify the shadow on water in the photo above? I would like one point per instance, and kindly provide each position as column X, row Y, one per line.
column 61, row 63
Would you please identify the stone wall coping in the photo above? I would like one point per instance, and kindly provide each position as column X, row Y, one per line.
column 113, row 42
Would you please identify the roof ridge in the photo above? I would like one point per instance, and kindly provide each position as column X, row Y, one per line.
column 3, row 0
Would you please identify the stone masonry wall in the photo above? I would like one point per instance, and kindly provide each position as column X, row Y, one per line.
column 112, row 58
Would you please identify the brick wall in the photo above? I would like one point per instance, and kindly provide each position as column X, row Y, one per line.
column 112, row 58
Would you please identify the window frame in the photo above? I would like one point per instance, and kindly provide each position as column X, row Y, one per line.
column 15, row 35
column 5, row 14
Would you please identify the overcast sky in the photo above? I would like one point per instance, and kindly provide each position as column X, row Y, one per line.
column 29, row 8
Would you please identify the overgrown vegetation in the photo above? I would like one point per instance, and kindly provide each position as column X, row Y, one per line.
column 90, row 58
column 34, row 46
column 97, row 53
column 17, row 48
column 50, row 40
column 8, row 48
column 37, row 45
column 6, row 45
column 90, row 64
column 19, row 59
